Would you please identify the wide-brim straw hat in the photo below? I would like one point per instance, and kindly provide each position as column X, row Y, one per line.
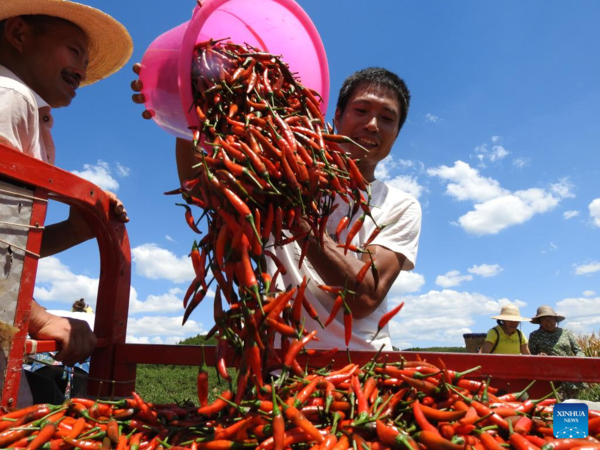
column 546, row 311
column 511, row 313
column 110, row 45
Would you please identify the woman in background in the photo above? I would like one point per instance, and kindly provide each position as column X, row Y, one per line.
column 551, row 340
column 506, row 338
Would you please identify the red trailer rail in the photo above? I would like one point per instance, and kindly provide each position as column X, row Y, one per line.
column 51, row 182
column 113, row 364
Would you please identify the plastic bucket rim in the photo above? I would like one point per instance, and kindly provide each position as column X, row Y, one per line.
column 184, row 76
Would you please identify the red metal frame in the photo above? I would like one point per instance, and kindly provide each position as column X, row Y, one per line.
column 116, row 361
column 27, row 284
column 115, row 258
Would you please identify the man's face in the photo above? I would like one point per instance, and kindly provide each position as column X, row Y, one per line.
column 370, row 118
column 56, row 62
column 548, row 323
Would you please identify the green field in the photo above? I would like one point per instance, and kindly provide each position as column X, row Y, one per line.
column 167, row 384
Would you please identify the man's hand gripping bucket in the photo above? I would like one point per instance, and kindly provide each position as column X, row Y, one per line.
column 279, row 27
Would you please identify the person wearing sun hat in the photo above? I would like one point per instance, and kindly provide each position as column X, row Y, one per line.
column 551, row 340
column 506, row 338
column 48, row 49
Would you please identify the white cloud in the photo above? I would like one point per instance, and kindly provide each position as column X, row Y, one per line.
column 581, row 313
column 156, row 263
column 497, row 153
column 493, row 154
column 441, row 317
column 407, row 184
column 563, row 189
column 407, row 282
column 451, row 279
column 168, row 302
column 431, row 118
column 486, row 270
column 169, row 238
column 123, row 171
column 496, row 208
column 595, row 211
column 587, row 269
column 519, row 163
column 99, row 174
column 570, row 214
column 56, row 282
column 160, row 326
column 588, row 293
column 465, row 183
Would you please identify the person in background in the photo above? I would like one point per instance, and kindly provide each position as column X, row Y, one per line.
column 551, row 340
column 48, row 49
column 60, row 381
column 506, row 338
column 372, row 107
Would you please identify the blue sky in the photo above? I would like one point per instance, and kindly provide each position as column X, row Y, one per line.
column 501, row 148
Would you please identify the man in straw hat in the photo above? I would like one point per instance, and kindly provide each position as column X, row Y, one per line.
column 48, row 49
column 506, row 338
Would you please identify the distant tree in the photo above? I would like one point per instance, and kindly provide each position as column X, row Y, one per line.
column 199, row 340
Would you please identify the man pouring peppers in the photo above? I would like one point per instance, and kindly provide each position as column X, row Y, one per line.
column 347, row 285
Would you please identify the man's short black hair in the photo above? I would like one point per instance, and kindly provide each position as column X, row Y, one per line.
column 381, row 78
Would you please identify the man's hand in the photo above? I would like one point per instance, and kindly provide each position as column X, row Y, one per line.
column 137, row 86
column 118, row 207
column 76, row 339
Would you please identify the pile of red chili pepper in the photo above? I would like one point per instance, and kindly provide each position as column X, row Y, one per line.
column 407, row 405
column 268, row 172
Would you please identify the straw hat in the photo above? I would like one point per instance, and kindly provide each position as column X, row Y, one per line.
column 110, row 45
column 546, row 311
column 511, row 313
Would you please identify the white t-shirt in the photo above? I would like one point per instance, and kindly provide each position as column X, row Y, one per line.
column 87, row 317
column 25, row 125
column 25, row 118
column 389, row 206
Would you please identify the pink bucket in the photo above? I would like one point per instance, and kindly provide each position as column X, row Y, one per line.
column 280, row 27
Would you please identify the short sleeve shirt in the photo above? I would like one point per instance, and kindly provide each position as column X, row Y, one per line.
column 507, row 345
column 25, row 118
column 560, row 342
column 401, row 213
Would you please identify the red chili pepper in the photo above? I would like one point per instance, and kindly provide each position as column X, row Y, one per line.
column 43, row 436
column 353, row 231
column 363, row 271
column 277, row 261
column 221, row 353
column 219, row 404
column 298, row 419
column 296, row 346
column 337, row 304
column 278, row 225
column 347, row 324
column 297, row 307
column 189, row 218
column 420, row 418
column 343, row 223
column 434, row 441
column 386, row 318
column 193, row 304
column 202, row 381
column 520, row 443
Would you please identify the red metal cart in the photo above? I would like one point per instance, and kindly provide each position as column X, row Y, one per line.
column 113, row 364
